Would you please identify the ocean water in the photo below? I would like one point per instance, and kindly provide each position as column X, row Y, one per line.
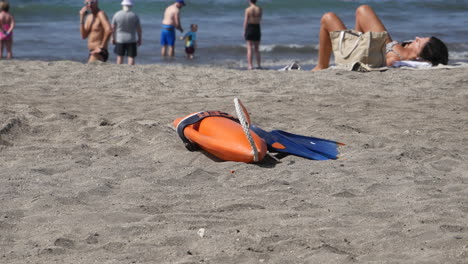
column 49, row 29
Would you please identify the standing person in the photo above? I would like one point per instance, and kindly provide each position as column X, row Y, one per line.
column 191, row 41
column 252, row 32
column 126, row 25
column 170, row 23
column 7, row 24
column 97, row 29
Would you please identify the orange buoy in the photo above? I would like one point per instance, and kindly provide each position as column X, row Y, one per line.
column 221, row 135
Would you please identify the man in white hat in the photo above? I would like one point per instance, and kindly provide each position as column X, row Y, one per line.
column 127, row 33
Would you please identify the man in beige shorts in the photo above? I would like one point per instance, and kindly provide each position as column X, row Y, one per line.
column 97, row 29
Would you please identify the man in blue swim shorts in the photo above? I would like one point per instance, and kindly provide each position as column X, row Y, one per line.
column 170, row 23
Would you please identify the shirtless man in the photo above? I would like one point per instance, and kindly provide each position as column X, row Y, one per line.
column 170, row 23
column 252, row 32
column 97, row 29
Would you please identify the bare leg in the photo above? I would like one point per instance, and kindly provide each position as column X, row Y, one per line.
column 119, row 59
column 131, row 60
column 249, row 54
column 93, row 58
column 257, row 53
column 9, row 45
column 367, row 20
column 329, row 22
column 163, row 51
column 1, row 49
column 171, row 51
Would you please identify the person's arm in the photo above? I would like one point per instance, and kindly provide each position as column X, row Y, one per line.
column 177, row 22
column 107, row 29
column 12, row 25
column 140, row 34
column 83, row 19
column 114, row 28
column 391, row 58
column 246, row 19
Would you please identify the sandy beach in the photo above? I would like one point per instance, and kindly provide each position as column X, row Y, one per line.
column 91, row 170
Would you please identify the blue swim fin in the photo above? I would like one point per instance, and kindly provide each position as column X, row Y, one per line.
column 307, row 147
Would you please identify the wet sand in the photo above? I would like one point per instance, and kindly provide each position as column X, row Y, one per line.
column 92, row 172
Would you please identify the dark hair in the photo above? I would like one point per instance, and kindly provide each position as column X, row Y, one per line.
column 253, row 1
column 5, row 6
column 435, row 51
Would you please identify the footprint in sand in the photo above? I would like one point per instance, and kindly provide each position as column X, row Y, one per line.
column 64, row 243
column 9, row 130
column 270, row 185
column 69, row 116
column 198, row 177
column 344, row 194
column 452, row 228
column 118, row 151
column 445, row 165
column 92, row 239
column 240, row 207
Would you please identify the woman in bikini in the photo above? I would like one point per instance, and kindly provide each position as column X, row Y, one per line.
column 7, row 24
column 429, row 49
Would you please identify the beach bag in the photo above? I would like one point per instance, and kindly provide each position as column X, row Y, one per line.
column 351, row 47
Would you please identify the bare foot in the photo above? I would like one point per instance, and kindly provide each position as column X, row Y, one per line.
column 317, row 68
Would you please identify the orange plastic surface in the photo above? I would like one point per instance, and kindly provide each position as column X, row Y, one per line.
column 224, row 138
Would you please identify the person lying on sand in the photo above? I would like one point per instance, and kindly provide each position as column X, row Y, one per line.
column 430, row 49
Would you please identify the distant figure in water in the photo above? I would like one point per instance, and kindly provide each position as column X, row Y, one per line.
column 252, row 32
column 190, row 41
column 170, row 23
column 127, row 33
column 7, row 24
column 95, row 26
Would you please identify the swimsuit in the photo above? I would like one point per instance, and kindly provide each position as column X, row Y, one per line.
column 190, row 50
column 167, row 35
column 190, row 39
column 103, row 55
column 253, row 32
column 3, row 33
column 389, row 48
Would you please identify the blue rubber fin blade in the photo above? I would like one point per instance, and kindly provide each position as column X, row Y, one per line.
column 303, row 146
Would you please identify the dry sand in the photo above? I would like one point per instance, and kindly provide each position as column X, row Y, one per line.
column 92, row 172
